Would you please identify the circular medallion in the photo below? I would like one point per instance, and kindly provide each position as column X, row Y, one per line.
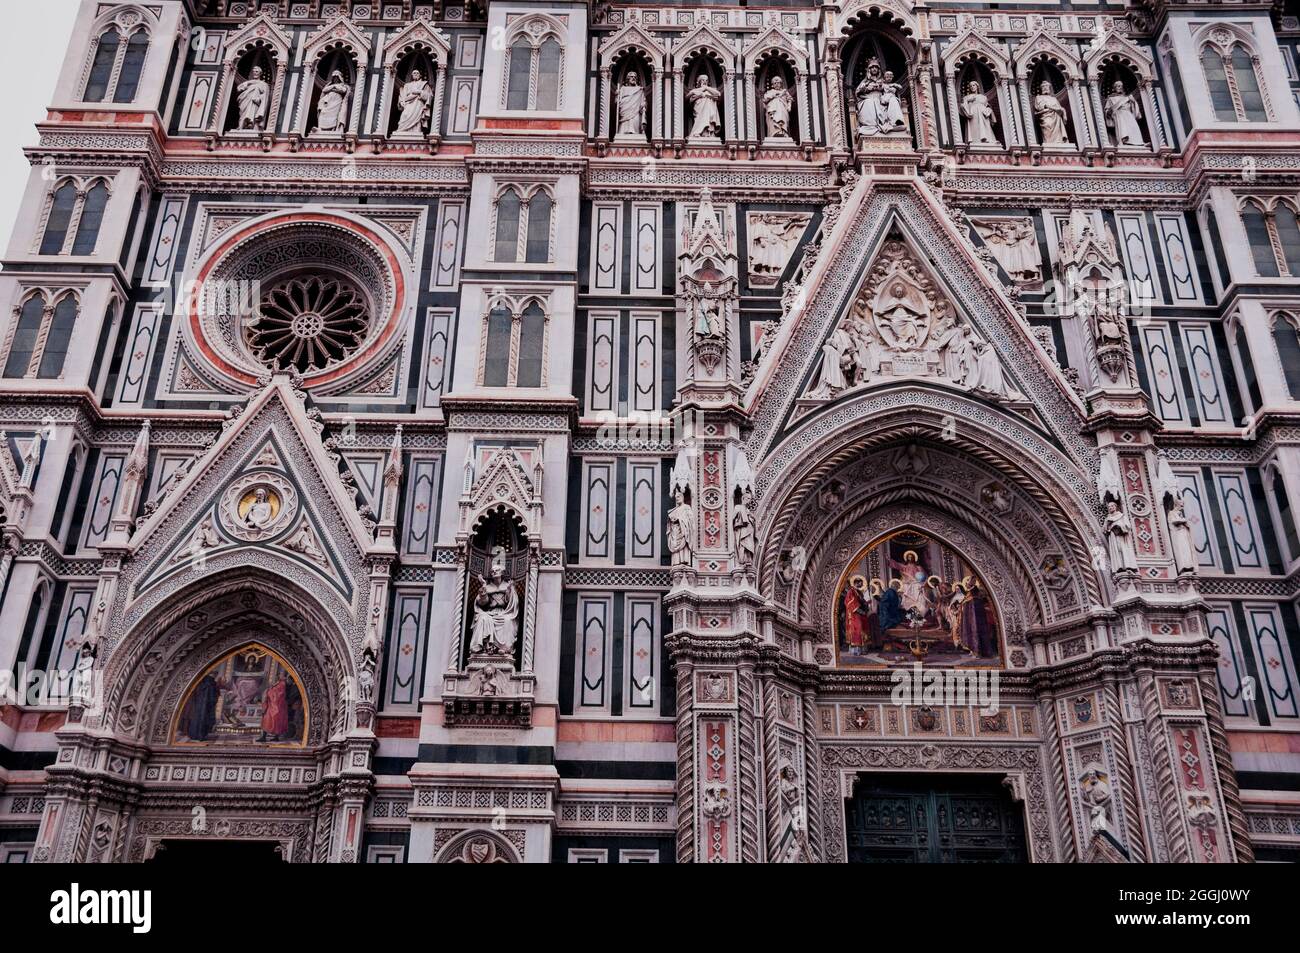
column 257, row 506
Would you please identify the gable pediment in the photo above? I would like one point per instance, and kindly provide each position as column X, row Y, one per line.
column 899, row 230
column 267, row 493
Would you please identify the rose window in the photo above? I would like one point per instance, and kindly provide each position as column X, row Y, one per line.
column 309, row 322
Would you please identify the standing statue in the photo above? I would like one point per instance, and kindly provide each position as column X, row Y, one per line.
column 1119, row 539
column 1122, row 114
column 778, row 104
column 415, row 102
column 496, row 610
column 1013, row 244
column 708, row 322
column 836, row 352
column 681, row 530
column 1180, row 538
column 254, row 96
column 980, row 118
column 631, row 107
column 1051, row 117
column 704, row 99
column 332, row 109
column 742, row 525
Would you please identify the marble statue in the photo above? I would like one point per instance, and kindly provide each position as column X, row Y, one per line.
column 332, row 109
column 1180, row 538
column 778, row 105
column 681, row 530
column 1122, row 114
column 879, row 108
column 254, row 97
column 743, row 530
column 772, row 240
column 1051, row 117
column 835, row 353
column 415, row 103
column 707, row 120
column 1013, row 244
column 1119, row 539
column 496, row 610
column 980, row 118
column 708, row 321
column 631, row 108
column 261, row 513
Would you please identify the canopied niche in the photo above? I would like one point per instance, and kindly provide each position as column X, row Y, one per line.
column 876, row 69
column 909, row 597
column 498, row 577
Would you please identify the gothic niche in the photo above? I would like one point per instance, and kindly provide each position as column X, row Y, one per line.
column 250, row 97
column 703, row 99
column 498, row 574
column 332, row 94
column 876, row 72
column 1049, row 97
column 1126, row 123
column 901, row 326
column 909, row 597
column 632, row 119
column 775, row 83
column 412, row 107
column 981, row 113
column 250, row 696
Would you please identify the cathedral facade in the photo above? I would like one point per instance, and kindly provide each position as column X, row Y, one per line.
column 548, row 431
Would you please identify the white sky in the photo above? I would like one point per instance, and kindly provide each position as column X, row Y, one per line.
column 33, row 42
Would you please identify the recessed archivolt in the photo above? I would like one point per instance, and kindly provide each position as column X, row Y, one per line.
column 146, row 675
column 1025, row 466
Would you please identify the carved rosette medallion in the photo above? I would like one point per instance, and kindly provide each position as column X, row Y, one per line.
column 258, row 506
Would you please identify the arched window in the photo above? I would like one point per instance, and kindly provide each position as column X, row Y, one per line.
column 1286, row 336
column 128, row 80
column 56, row 342
column 1259, row 234
column 540, row 208
column 38, row 344
column 1233, row 82
column 60, row 218
column 92, row 217
column 532, row 339
column 1274, row 235
column 508, row 212
column 30, row 317
column 535, row 61
column 101, row 66
column 1216, row 77
column 523, row 226
column 117, row 65
column 514, row 345
column 500, row 329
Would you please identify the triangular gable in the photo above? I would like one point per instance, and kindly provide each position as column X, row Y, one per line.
column 340, row 29
column 774, row 38
column 261, row 28
column 631, row 37
column 703, row 37
column 874, row 208
column 974, row 42
column 273, row 445
column 1044, row 43
column 418, row 32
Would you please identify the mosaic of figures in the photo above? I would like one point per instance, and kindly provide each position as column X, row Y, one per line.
column 249, row 697
column 910, row 597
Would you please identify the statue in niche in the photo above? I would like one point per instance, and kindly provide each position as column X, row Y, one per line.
column 367, row 668
column 1095, row 787
column 879, row 109
column 1119, row 539
column 496, row 610
column 681, row 530
column 1013, row 244
column 254, row 97
column 1180, row 538
column 1051, row 117
column 1122, row 115
column 778, row 104
column 415, row 102
column 742, row 524
column 980, row 117
column 261, row 510
column 704, row 99
column 332, row 109
column 708, row 321
column 631, row 107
